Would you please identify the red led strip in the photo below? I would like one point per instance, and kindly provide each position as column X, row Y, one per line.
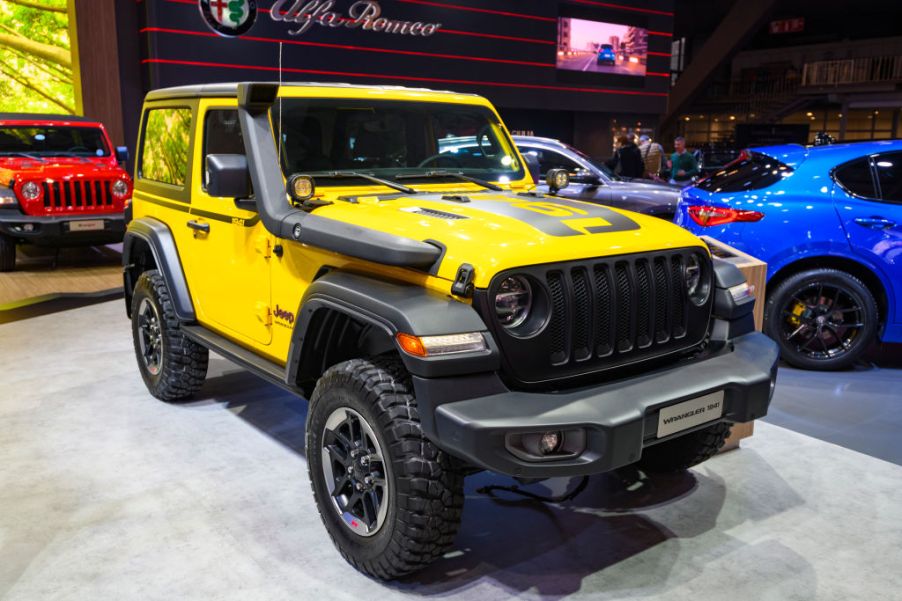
column 498, row 84
column 650, row 11
column 354, row 48
column 480, row 10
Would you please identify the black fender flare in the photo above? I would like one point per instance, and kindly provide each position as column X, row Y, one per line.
column 395, row 307
column 161, row 242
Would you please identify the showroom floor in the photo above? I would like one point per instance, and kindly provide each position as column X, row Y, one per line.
column 106, row 493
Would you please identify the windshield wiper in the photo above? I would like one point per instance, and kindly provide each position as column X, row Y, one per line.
column 372, row 178
column 22, row 154
column 454, row 174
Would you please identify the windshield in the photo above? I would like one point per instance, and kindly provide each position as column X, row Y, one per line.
column 597, row 163
column 52, row 141
column 392, row 139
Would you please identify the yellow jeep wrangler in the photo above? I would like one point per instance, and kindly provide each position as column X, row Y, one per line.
column 381, row 251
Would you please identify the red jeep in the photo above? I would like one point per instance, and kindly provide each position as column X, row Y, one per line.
column 61, row 183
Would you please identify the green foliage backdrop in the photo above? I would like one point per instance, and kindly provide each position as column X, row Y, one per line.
column 36, row 64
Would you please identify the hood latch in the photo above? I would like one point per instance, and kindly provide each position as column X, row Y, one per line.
column 463, row 281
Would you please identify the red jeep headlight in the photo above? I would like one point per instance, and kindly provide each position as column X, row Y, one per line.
column 120, row 188
column 30, row 191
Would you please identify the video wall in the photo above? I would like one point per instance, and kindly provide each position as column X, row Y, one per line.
column 575, row 55
column 38, row 64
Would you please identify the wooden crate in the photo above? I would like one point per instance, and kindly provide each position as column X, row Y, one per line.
column 755, row 272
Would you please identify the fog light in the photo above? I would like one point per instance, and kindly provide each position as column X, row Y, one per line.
column 550, row 442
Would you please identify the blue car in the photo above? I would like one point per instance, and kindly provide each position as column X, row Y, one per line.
column 606, row 55
column 828, row 222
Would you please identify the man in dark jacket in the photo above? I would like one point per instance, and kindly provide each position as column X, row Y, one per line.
column 627, row 160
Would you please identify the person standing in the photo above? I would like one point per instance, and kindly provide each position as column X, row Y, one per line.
column 682, row 166
column 627, row 160
column 652, row 157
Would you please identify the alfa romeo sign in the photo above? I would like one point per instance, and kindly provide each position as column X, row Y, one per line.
column 229, row 17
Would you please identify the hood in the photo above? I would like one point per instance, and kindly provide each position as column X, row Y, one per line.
column 24, row 169
column 495, row 231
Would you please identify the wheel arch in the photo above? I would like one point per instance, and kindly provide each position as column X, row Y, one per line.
column 345, row 315
column 149, row 244
column 860, row 270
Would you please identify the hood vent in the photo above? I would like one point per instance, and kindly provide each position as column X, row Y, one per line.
column 433, row 213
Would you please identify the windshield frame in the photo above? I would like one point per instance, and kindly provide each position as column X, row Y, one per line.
column 101, row 135
column 517, row 174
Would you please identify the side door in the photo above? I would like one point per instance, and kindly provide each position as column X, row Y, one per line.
column 230, row 249
column 552, row 159
column 868, row 200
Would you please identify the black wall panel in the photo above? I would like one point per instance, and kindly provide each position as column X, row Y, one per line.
column 503, row 49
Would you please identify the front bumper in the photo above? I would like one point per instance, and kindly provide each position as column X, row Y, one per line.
column 56, row 230
column 619, row 418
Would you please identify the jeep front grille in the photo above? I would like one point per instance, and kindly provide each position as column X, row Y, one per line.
column 77, row 194
column 603, row 313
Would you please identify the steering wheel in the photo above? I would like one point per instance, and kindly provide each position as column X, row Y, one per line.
column 442, row 156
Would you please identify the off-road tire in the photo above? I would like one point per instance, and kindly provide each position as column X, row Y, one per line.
column 7, row 253
column 425, row 490
column 682, row 453
column 184, row 362
column 778, row 300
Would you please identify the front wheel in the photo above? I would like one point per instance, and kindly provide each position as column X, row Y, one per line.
column 822, row 319
column 390, row 500
column 7, row 253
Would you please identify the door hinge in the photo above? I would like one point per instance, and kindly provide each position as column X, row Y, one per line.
column 264, row 246
column 463, row 281
column 264, row 313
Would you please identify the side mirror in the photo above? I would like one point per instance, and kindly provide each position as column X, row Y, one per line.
column 532, row 165
column 122, row 154
column 227, row 176
column 585, row 177
column 557, row 179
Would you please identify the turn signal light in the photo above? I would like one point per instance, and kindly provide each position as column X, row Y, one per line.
column 450, row 344
column 710, row 216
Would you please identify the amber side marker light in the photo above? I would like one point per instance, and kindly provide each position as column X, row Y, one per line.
column 449, row 344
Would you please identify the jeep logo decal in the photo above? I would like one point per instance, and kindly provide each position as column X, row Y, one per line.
column 282, row 314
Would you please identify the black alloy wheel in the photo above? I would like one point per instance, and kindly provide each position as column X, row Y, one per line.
column 353, row 463
column 150, row 337
column 822, row 319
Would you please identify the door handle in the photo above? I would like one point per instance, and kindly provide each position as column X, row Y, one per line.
column 198, row 226
column 876, row 223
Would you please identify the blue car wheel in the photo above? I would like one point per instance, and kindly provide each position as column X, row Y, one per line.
column 822, row 319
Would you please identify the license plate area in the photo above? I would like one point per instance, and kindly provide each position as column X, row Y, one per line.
column 689, row 414
column 88, row 225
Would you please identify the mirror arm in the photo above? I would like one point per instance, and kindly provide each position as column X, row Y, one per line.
column 248, row 204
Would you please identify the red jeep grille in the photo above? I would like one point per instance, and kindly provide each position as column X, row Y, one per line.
column 78, row 194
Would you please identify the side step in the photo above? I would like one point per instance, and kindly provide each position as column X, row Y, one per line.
column 252, row 362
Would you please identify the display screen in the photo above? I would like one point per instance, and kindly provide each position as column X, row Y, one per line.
column 598, row 47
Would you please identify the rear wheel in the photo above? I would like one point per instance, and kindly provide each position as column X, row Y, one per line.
column 390, row 500
column 7, row 253
column 172, row 366
column 822, row 319
column 687, row 450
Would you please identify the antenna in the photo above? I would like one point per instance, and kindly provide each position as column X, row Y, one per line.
column 280, row 101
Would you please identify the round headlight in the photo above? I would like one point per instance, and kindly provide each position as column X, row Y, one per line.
column 120, row 188
column 696, row 281
column 513, row 301
column 31, row 191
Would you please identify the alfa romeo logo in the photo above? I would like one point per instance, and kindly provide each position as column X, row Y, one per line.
column 229, row 17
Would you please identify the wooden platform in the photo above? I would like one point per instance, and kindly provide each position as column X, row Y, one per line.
column 83, row 270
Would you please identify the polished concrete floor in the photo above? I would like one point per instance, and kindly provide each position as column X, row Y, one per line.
column 106, row 493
